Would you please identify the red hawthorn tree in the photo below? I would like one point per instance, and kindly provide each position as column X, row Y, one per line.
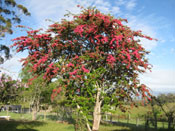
column 96, row 58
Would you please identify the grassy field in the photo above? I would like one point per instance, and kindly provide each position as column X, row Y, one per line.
column 22, row 125
column 23, row 122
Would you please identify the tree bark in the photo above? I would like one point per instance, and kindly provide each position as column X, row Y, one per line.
column 44, row 115
column 97, row 112
column 34, row 114
column 87, row 124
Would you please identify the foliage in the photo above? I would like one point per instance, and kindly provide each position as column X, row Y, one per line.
column 166, row 98
column 167, row 108
column 9, row 16
column 39, row 91
column 9, row 89
column 96, row 58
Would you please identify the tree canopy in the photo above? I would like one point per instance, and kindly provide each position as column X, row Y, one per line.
column 96, row 58
column 10, row 13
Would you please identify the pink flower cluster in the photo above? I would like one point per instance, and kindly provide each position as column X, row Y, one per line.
column 111, row 59
column 70, row 65
column 79, row 29
column 73, row 73
column 84, row 69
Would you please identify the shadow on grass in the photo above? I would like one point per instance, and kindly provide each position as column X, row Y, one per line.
column 130, row 127
column 56, row 118
column 19, row 125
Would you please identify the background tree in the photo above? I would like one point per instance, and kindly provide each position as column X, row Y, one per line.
column 10, row 12
column 38, row 93
column 166, row 98
column 9, row 89
column 166, row 104
column 96, row 59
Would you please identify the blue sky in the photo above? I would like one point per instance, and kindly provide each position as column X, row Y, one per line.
column 154, row 17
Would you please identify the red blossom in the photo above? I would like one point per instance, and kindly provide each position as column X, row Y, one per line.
column 136, row 54
column 128, row 56
column 76, row 57
column 111, row 59
column 79, row 29
column 73, row 73
column 70, row 65
column 54, row 90
column 84, row 69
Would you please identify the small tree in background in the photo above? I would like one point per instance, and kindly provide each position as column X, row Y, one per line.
column 166, row 105
column 38, row 92
column 96, row 58
column 9, row 89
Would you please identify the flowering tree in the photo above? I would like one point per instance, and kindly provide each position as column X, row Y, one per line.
column 96, row 58
column 9, row 89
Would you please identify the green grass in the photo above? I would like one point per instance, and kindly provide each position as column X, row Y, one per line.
column 22, row 122
column 26, row 125
column 22, row 125
column 17, row 116
column 127, row 127
column 135, row 111
column 28, row 116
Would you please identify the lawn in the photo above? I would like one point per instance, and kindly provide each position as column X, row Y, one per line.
column 22, row 125
column 23, row 122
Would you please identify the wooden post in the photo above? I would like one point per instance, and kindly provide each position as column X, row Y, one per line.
column 106, row 117
column 111, row 117
column 21, row 113
column 128, row 118
column 7, row 111
column 44, row 115
column 118, row 118
column 137, row 121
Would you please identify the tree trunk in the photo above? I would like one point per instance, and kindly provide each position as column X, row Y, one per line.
column 87, row 124
column 97, row 112
column 170, row 120
column 44, row 115
column 34, row 113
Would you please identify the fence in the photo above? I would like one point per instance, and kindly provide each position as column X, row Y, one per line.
column 145, row 121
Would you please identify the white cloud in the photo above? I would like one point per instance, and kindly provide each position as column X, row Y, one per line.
column 55, row 10
column 172, row 50
column 136, row 24
column 115, row 10
column 130, row 5
column 160, row 80
column 12, row 66
column 120, row 2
